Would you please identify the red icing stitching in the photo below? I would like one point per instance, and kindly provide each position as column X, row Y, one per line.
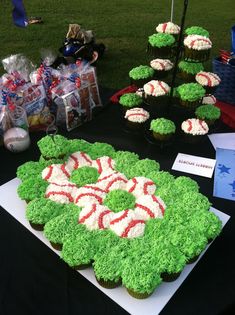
column 134, row 186
column 149, row 212
column 99, row 165
column 160, row 206
column 86, row 157
column 93, row 210
column 145, row 187
column 64, row 185
column 64, row 170
column 205, row 76
column 190, row 125
column 62, row 193
column 197, row 39
column 130, row 226
column 98, row 198
column 123, row 216
column 75, row 161
column 106, row 177
column 101, row 218
column 136, row 114
column 164, row 26
column 115, row 180
column 49, row 173
column 110, row 163
column 160, row 84
column 201, row 124
column 95, row 188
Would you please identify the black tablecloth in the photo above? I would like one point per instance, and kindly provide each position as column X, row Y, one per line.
column 34, row 281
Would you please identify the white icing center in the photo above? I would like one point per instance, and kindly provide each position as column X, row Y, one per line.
column 161, row 64
column 197, row 42
column 207, row 78
column 169, row 28
column 156, row 88
column 137, row 114
column 195, row 126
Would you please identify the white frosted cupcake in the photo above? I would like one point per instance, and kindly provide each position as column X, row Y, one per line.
column 161, row 67
column 209, row 100
column 168, row 28
column 194, row 129
column 208, row 80
column 156, row 93
column 136, row 117
column 197, row 47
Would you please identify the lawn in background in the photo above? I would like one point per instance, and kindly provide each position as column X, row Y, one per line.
column 123, row 26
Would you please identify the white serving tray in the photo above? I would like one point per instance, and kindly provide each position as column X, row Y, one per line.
column 150, row 306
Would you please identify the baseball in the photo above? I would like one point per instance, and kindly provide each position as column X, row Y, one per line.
column 16, row 139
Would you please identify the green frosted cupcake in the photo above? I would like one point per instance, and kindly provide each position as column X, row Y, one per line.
column 160, row 45
column 53, row 146
column 190, row 94
column 208, row 113
column 29, row 169
column 130, row 100
column 196, row 30
column 141, row 75
column 188, row 70
column 162, row 128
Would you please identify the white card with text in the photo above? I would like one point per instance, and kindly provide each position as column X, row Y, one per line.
column 193, row 164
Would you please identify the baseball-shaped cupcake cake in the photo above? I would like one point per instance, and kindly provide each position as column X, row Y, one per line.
column 161, row 67
column 136, row 117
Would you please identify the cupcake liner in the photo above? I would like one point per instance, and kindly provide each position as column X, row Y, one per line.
column 162, row 137
column 192, row 260
column 108, row 284
column 138, row 295
column 82, row 266
column 188, row 104
column 163, row 52
column 196, row 55
column 168, row 277
column 56, row 246
column 37, row 227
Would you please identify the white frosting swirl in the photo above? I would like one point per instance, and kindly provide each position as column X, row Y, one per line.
column 168, row 27
column 195, row 127
column 161, row 64
column 156, row 88
column 138, row 115
column 197, row 42
column 207, row 78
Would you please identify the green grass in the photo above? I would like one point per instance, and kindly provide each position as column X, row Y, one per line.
column 123, row 26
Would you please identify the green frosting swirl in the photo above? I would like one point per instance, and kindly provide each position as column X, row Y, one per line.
column 197, row 30
column 84, row 175
column 81, row 145
column 41, row 210
column 162, row 126
column 161, row 178
column 118, row 200
column 191, row 91
column 161, row 40
column 142, row 168
column 29, row 169
column 124, row 160
column 130, row 100
column 141, row 72
column 53, row 147
column 99, row 149
column 60, row 227
column 32, row 188
column 208, row 112
column 186, row 184
column 190, row 67
column 108, row 264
